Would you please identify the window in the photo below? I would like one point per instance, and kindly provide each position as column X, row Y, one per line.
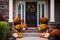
column 41, row 10
column 21, row 10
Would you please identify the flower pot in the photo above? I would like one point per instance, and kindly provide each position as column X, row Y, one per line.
column 44, row 22
column 17, row 23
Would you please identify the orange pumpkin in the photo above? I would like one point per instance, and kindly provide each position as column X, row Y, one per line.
column 15, row 31
column 55, row 32
column 43, row 19
column 16, row 20
column 24, row 25
column 47, row 31
column 20, row 35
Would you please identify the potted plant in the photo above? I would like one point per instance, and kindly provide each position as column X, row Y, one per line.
column 55, row 34
column 43, row 27
column 3, row 29
column 43, row 20
column 17, row 21
column 19, row 27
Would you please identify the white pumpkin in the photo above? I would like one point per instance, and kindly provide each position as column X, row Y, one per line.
column 47, row 35
column 23, row 28
column 15, row 35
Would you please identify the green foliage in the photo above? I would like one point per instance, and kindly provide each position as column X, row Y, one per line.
column 3, row 29
column 58, row 25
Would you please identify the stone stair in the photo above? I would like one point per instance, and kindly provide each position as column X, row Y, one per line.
column 31, row 32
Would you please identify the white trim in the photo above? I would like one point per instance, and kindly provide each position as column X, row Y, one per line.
column 37, row 13
column 21, row 12
column 52, row 11
column 24, row 13
column 10, row 10
column 40, row 9
column 45, row 14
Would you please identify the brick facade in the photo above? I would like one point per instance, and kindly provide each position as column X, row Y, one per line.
column 4, row 8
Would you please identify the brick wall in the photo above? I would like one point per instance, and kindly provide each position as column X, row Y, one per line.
column 4, row 8
column 14, row 8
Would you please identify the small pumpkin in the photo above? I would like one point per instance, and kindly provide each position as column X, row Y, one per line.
column 45, row 34
column 15, row 20
column 24, row 25
column 47, row 31
column 15, row 31
column 55, row 32
column 20, row 35
column 15, row 35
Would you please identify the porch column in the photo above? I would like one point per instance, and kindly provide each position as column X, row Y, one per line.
column 10, row 10
column 52, row 11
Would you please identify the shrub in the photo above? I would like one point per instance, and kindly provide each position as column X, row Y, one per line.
column 58, row 25
column 3, row 29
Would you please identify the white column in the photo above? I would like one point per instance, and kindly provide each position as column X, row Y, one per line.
column 52, row 11
column 10, row 10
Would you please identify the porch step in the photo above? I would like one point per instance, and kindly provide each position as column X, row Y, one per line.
column 31, row 34
column 31, row 30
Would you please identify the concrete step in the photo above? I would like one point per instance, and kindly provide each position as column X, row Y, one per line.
column 31, row 30
column 31, row 34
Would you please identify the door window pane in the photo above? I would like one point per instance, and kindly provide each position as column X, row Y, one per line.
column 19, row 10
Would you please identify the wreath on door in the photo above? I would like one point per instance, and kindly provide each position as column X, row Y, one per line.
column 31, row 8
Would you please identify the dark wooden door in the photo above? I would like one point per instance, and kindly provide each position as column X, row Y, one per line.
column 31, row 14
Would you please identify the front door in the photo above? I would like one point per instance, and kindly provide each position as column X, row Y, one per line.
column 31, row 14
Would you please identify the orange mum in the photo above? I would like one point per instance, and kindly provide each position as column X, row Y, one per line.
column 20, row 35
column 55, row 32
column 16, row 20
column 43, row 19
